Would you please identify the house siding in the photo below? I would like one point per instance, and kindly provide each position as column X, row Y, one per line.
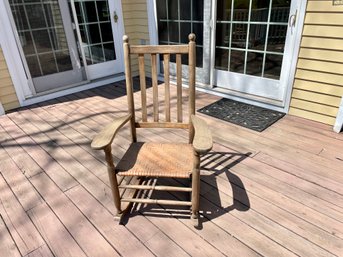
column 318, row 84
column 8, row 97
column 135, row 16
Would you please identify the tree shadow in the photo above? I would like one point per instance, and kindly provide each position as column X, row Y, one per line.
column 221, row 191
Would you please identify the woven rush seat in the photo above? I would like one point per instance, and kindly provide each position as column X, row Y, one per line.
column 157, row 160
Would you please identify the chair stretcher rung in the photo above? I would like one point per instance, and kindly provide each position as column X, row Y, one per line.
column 158, row 188
column 156, row 201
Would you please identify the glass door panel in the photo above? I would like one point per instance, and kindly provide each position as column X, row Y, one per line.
column 251, row 36
column 97, row 42
column 49, row 49
column 176, row 19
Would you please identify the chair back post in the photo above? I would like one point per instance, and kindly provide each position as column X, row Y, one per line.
column 191, row 82
column 129, row 87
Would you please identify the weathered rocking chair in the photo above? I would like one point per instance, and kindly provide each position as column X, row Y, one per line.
column 173, row 160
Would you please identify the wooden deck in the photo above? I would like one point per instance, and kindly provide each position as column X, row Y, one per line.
column 275, row 193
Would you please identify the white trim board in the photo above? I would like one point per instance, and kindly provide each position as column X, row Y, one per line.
column 339, row 119
column 12, row 55
column 2, row 111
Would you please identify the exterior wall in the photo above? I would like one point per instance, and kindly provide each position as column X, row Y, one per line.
column 8, row 97
column 318, row 85
column 135, row 16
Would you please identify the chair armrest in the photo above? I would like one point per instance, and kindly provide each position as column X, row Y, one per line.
column 107, row 134
column 202, row 141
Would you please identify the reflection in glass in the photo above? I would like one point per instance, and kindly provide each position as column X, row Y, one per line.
column 97, row 54
column 223, row 34
column 254, row 64
column 237, row 61
column 63, row 61
column 42, row 37
column 174, row 32
column 224, row 12
column 103, row 11
column 176, row 19
column 259, row 10
column 32, row 62
column 185, row 28
column 173, row 9
column 239, row 35
column 259, row 46
column 241, row 10
column 96, row 30
column 277, row 38
column 222, row 59
column 257, row 36
column 272, row 66
column 280, row 11
column 49, row 66
column 109, row 52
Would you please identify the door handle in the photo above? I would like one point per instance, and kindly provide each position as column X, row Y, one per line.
column 293, row 19
column 115, row 17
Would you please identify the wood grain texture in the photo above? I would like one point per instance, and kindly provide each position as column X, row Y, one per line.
column 165, row 49
column 142, row 86
column 286, row 196
column 155, row 87
column 166, row 59
column 106, row 136
column 179, row 87
column 202, row 141
column 7, row 245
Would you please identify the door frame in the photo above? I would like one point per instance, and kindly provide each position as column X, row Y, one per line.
column 23, row 87
column 301, row 7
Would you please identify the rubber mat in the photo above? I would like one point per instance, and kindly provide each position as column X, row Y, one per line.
column 242, row 114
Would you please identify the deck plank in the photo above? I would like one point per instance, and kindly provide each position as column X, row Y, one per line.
column 22, row 230
column 7, row 245
column 275, row 193
column 54, row 233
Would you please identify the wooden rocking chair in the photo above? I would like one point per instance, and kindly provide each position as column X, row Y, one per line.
column 173, row 160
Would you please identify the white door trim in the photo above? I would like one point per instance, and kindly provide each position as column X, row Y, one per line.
column 12, row 55
column 300, row 19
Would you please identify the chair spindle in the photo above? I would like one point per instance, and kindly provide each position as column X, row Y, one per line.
column 179, row 87
column 166, row 58
column 154, row 86
column 143, row 85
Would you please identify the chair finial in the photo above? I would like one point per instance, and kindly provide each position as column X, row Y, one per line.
column 125, row 39
column 191, row 37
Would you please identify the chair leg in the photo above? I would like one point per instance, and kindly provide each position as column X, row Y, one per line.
column 195, row 191
column 114, row 182
column 115, row 193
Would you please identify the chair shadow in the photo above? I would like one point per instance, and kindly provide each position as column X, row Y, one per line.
column 221, row 191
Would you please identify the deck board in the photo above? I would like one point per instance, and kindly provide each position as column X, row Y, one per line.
column 275, row 193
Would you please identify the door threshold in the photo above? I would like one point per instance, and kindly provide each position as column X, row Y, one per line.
column 268, row 103
column 71, row 89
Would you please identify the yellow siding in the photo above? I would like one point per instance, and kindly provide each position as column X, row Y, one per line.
column 136, row 27
column 318, row 85
column 8, row 97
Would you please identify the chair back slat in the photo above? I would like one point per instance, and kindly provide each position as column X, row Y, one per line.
column 142, row 85
column 166, row 52
column 166, row 58
column 154, row 86
column 179, row 87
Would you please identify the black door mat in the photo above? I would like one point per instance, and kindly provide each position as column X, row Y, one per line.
column 245, row 115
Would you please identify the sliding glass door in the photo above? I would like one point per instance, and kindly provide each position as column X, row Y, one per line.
column 66, row 43
column 99, row 35
column 253, row 46
column 47, row 42
column 245, row 47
